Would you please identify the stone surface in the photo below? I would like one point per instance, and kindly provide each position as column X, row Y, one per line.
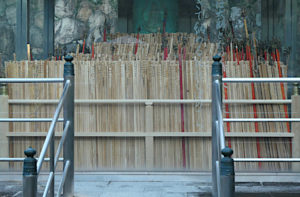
column 106, row 7
column 10, row 2
column 73, row 18
column 237, row 22
column 39, row 20
column 67, row 30
column 6, row 40
column 143, row 185
column 2, row 8
column 11, row 15
column 85, row 11
column 36, row 37
column 64, row 8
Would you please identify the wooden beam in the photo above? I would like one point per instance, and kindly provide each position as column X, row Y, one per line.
column 296, row 131
column 3, row 130
column 149, row 140
column 156, row 134
column 130, row 101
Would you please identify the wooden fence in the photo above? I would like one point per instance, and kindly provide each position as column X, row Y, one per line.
column 148, row 135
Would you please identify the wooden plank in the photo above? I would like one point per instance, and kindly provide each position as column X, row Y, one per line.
column 149, row 139
column 4, row 131
column 296, row 131
column 155, row 134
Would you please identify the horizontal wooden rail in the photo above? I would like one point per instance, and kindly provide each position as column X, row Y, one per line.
column 146, row 101
column 155, row 134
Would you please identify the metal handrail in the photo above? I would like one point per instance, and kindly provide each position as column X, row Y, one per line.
column 32, row 166
column 266, row 159
column 62, row 141
column 63, row 179
column 261, row 119
column 220, row 116
column 52, row 126
column 260, row 80
column 15, row 159
column 49, row 181
column 29, row 120
column 31, row 80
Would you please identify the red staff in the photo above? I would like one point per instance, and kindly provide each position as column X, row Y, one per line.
column 137, row 41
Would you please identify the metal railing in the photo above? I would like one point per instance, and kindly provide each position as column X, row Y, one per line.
column 222, row 163
column 32, row 167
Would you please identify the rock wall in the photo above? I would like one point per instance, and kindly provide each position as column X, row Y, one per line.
column 7, row 30
column 75, row 20
column 233, row 10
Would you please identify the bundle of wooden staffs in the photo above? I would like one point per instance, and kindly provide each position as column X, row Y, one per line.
column 152, row 79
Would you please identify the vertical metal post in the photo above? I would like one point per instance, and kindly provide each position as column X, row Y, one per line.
column 22, row 33
column 216, row 77
column 48, row 28
column 30, row 174
column 69, row 116
column 227, row 174
column 52, row 169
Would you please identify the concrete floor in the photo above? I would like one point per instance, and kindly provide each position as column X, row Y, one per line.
column 153, row 185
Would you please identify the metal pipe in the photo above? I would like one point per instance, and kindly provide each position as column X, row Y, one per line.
column 29, row 174
column 49, row 181
column 227, row 174
column 218, row 141
column 62, row 141
column 29, row 120
column 260, row 80
column 266, row 159
column 218, row 178
column 31, row 80
column 52, row 126
column 216, row 84
column 68, row 150
column 22, row 159
column 261, row 119
column 63, row 179
column 144, row 101
column 220, row 117
column 52, row 169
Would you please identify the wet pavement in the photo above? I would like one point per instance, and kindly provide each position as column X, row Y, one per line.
column 150, row 185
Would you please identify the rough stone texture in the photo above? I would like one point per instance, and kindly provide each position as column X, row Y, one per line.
column 252, row 10
column 233, row 9
column 84, row 19
column 2, row 8
column 237, row 22
column 85, row 11
column 6, row 40
column 75, row 20
column 10, row 2
column 11, row 15
column 39, row 20
column 64, row 8
column 67, row 30
column 36, row 37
